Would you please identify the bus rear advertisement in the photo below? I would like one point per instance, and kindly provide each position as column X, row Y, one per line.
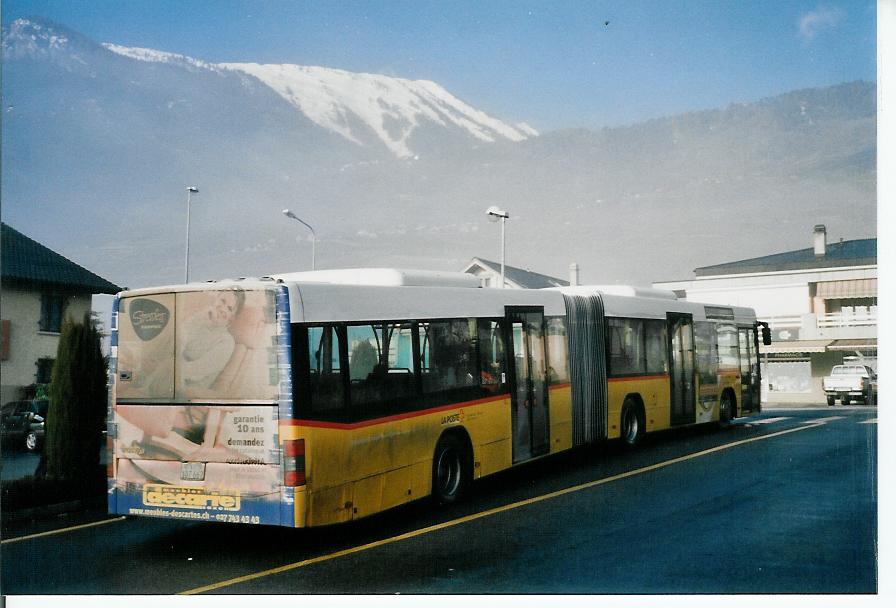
column 312, row 398
column 196, row 398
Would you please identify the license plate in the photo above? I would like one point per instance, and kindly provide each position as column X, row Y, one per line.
column 192, row 471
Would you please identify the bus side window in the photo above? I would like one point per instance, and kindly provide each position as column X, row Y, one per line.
column 325, row 384
column 450, row 354
column 492, row 356
column 746, row 350
column 558, row 352
column 450, row 371
column 707, row 352
column 626, row 346
column 655, row 347
column 728, row 347
column 382, row 369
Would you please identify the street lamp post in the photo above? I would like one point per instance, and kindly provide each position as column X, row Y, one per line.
column 292, row 215
column 191, row 190
column 495, row 214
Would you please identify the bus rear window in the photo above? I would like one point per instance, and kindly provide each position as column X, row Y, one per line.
column 847, row 370
column 201, row 345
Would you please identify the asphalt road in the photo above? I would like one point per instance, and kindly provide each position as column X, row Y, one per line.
column 782, row 503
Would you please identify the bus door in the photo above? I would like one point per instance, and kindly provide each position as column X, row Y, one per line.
column 681, row 367
column 749, row 369
column 529, row 401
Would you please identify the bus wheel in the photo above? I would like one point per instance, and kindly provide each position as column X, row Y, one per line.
column 831, row 400
column 450, row 470
column 632, row 429
column 726, row 408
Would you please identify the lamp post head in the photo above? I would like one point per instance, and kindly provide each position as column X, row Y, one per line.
column 193, row 189
column 495, row 213
column 289, row 214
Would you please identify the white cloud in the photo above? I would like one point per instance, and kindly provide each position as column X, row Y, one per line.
column 822, row 18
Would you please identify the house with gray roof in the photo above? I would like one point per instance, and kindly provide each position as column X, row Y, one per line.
column 489, row 274
column 38, row 289
column 820, row 303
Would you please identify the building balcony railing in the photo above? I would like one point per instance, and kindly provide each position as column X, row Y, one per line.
column 862, row 318
column 848, row 319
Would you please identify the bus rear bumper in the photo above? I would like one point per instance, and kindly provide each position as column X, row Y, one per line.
column 196, row 504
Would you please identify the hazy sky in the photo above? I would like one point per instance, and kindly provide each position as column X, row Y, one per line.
column 552, row 64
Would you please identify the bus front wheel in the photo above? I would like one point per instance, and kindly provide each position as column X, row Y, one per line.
column 726, row 408
column 450, row 470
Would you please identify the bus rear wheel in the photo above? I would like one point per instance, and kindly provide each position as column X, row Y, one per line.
column 631, row 428
column 451, row 472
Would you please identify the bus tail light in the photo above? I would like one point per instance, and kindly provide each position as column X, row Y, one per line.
column 110, row 457
column 294, row 462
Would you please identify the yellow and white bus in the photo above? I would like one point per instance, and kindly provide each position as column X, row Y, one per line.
column 315, row 398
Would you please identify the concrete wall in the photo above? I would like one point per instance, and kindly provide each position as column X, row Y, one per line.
column 21, row 307
column 767, row 301
column 820, row 365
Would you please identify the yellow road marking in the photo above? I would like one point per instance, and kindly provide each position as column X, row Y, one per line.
column 61, row 530
column 487, row 513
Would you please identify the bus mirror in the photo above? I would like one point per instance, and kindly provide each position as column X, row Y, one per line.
column 766, row 335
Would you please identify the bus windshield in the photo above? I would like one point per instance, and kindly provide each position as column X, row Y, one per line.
column 215, row 344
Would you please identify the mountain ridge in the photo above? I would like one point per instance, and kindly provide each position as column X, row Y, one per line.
column 388, row 106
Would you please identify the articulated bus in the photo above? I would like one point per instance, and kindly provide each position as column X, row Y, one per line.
column 314, row 398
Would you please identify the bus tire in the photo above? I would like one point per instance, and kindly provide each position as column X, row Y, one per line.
column 451, row 469
column 831, row 400
column 631, row 426
column 726, row 407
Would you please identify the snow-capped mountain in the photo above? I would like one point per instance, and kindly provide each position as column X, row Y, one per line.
column 24, row 37
column 152, row 55
column 392, row 107
column 355, row 104
column 42, row 39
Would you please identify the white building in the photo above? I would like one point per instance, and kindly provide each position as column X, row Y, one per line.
column 820, row 302
column 40, row 288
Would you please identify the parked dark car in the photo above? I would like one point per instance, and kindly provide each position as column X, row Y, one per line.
column 23, row 423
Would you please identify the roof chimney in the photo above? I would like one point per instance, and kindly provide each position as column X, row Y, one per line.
column 573, row 274
column 820, row 240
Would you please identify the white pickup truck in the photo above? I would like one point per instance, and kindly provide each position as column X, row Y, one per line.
column 850, row 382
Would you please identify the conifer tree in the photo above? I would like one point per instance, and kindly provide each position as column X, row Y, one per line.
column 77, row 410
